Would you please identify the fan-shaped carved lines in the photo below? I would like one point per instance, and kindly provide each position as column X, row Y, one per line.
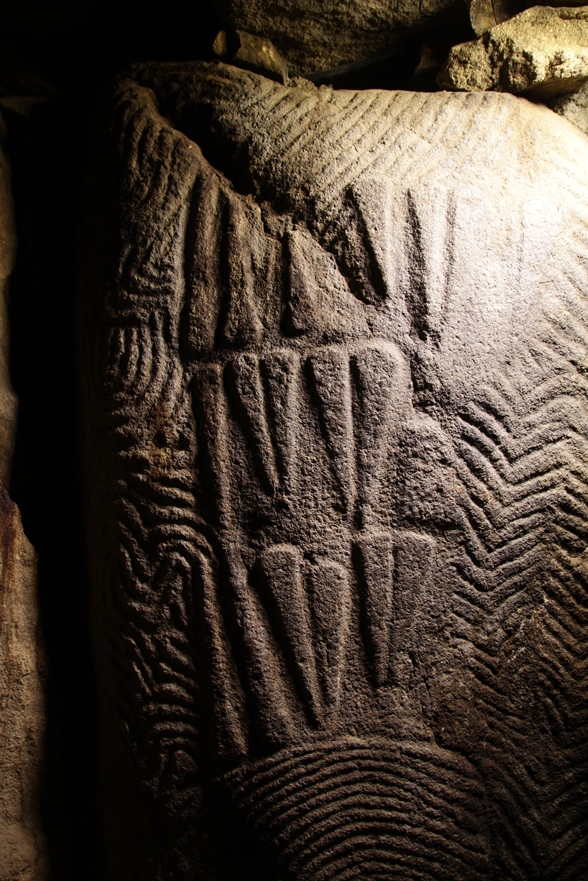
column 381, row 379
column 286, row 598
column 214, row 446
column 127, row 361
column 155, row 383
column 240, row 326
column 281, row 374
column 262, row 670
column 330, row 592
column 150, row 262
column 330, row 376
column 203, row 283
column 375, row 566
column 226, row 696
column 250, row 401
column 263, row 396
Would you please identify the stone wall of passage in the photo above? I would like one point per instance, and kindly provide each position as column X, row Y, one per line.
column 22, row 696
column 293, row 301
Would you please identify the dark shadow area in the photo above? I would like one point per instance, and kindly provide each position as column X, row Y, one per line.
column 67, row 59
column 46, row 152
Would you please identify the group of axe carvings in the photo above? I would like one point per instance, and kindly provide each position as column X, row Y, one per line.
column 336, row 380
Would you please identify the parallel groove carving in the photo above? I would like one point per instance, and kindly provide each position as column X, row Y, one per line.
column 352, row 811
column 520, row 465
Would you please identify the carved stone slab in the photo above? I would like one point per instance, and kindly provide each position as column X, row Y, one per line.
column 336, row 349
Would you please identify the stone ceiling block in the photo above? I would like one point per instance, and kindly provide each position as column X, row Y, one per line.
column 315, row 35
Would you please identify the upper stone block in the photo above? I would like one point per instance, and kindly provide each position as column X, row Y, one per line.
column 542, row 51
column 314, row 35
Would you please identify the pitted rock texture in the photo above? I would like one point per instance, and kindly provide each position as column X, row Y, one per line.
column 23, row 851
column 337, row 439
column 316, row 35
column 541, row 51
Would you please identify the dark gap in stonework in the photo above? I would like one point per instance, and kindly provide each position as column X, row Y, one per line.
column 55, row 65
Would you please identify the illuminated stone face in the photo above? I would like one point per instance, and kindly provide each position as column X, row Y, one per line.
column 338, row 428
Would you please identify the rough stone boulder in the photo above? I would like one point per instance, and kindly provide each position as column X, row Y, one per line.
column 541, row 51
column 337, row 433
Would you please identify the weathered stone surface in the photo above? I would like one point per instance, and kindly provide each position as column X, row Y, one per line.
column 315, row 35
column 542, row 51
column 22, row 707
column 251, row 53
column 574, row 107
column 336, row 405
